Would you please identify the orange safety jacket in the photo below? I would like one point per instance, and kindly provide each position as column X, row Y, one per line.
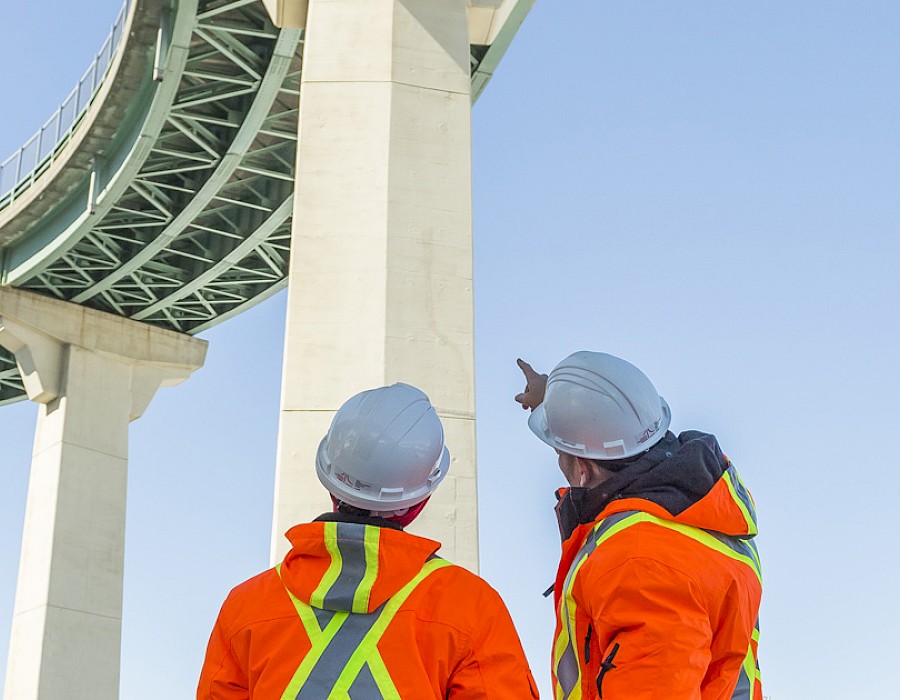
column 659, row 605
column 358, row 609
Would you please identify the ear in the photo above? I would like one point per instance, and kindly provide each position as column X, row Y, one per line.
column 584, row 471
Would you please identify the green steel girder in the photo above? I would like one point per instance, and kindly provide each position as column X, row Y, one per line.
column 186, row 218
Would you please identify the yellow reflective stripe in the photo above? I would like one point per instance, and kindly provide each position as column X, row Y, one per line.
column 746, row 490
column 751, row 524
column 367, row 648
column 320, row 644
column 320, row 639
column 561, row 642
column 307, row 616
column 755, row 556
column 755, row 637
column 568, row 608
column 568, row 605
column 621, row 525
column 317, row 599
column 570, row 614
column 364, row 591
column 383, row 678
column 749, row 665
column 703, row 538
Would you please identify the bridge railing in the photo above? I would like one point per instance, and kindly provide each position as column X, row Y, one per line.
column 20, row 170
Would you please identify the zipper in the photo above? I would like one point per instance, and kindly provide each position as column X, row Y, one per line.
column 587, row 644
column 605, row 668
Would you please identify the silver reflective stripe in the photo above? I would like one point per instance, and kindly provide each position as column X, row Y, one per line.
column 743, row 688
column 740, row 545
column 591, row 544
column 336, row 655
column 568, row 673
column 741, row 492
column 351, row 543
column 365, row 687
column 323, row 617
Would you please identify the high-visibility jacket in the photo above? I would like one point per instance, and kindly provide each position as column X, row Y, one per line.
column 358, row 610
column 657, row 594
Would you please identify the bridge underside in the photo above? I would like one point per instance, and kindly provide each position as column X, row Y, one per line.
column 181, row 218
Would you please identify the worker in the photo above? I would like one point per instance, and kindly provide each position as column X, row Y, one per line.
column 658, row 589
column 359, row 608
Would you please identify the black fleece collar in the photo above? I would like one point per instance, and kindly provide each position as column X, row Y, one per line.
column 675, row 473
column 359, row 519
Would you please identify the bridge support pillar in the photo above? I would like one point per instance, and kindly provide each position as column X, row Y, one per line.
column 92, row 373
column 381, row 272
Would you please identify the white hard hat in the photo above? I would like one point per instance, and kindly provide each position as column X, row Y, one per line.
column 600, row 407
column 384, row 450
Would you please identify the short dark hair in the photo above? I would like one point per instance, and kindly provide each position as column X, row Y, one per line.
column 347, row 509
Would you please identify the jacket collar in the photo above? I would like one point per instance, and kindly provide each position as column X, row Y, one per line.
column 359, row 519
column 352, row 563
column 675, row 473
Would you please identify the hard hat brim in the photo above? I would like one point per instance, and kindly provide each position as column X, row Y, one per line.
column 344, row 493
column 537, row 422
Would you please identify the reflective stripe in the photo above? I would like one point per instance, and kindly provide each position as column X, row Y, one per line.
column 381, row 677
column 566, row 662
column 317, row 599
column 347, row 584
column 357, row 547
column 754, row 649
column 744, row 687
column 364, row 591
column 344, row 656
column 741, row 497
column 740, row 550
column 749, row 674
column 365, row 686
column 368, row 647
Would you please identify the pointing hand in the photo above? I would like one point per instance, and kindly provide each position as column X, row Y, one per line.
column 535, row 386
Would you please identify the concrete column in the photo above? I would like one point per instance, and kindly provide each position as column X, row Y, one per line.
column 381, row 266
column 91, row 373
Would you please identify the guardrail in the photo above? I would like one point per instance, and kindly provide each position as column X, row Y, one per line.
column 22, row 168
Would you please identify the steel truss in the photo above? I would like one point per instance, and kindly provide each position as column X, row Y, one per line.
column 202, row 231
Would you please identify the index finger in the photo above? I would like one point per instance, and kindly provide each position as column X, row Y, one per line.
column 527, row 369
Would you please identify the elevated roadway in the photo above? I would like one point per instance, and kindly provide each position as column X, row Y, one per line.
column 159, row 200
column 161, row 189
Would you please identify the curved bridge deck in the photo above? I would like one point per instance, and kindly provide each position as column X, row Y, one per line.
column 168, row 198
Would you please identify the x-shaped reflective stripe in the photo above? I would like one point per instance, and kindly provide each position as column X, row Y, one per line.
column 346, row 643
column 566, row 661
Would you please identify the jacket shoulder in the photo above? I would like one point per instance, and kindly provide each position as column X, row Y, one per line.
column 259, row 598
column 456, row 596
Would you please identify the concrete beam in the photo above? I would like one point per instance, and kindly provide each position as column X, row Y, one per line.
column 92, row 373
column 486, row 17
column 381, row 266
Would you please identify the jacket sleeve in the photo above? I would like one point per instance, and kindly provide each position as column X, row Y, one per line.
column 222, row 677
column 651, row 630
column 495, row 667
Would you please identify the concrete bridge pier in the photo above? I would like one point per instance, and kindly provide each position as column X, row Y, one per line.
column 381, row 269
column 92, row 373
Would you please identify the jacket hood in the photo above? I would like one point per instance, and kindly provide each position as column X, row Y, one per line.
column 349, row 563
column 686, row 479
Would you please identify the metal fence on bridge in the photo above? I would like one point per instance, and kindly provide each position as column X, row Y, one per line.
column 23, row 167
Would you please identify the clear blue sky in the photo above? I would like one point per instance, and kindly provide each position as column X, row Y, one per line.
column 709, row 189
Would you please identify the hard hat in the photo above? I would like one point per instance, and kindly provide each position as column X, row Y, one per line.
column 384, row 450
column 600, row 407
